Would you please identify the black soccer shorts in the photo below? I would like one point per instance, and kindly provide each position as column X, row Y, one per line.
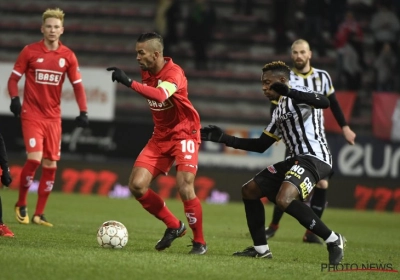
column 302, row 171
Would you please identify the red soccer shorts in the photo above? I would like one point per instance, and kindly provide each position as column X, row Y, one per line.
column 158, row 157
column 42, row 136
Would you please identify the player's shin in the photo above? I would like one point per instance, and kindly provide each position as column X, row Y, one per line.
column 45, row 187
column 255, row 216
column 26, row 179
column 156, row 206
column 307, row 218
column 318, row 201
column 194, row 216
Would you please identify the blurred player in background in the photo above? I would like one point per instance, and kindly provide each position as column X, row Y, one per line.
column 45, row 65
column 298, row 121
column 5, row 181
column 319, row 81
column 176, row 138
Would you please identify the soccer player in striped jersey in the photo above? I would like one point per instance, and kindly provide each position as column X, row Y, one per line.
column 319, row 81
column 297, row 120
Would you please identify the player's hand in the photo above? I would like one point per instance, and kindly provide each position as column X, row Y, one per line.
column 280, row 88
column 82, row 120
column 6, row 177
column 120, row 76
column 349, row 134
column 15, row 106
column 211, row 133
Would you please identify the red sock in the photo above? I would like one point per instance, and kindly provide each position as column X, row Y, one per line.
column 26, row 179
column 274, row 226
column 194, row 215
column 154, row 204
column 45, row 187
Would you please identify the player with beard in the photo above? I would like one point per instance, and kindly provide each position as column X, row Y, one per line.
column 318, row 80
column 176, row 138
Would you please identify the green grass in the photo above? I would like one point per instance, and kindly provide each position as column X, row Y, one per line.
column 69, row 250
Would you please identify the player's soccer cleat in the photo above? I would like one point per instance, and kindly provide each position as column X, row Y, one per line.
column 270, row 232
column 5, row 231
column 170, row 235
column 41, row 220
column 252, row 253
column 310, row 237
column 21, row 214
column 198, row 248
column 336, row 250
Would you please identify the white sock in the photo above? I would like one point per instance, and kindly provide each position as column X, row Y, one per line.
column 261, row 248
column 332, row 238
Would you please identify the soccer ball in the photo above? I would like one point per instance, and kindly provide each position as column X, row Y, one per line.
column 112, row 234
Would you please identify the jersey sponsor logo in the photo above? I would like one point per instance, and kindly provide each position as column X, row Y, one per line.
column 188, row 157
column 285, row 117
column 48, row 77
column 306, row 187
column 160, row 106
column 61, row 62
column 302, row 88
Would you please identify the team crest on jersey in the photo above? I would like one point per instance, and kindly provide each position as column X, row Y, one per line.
column 271, row 169
column 61, row 62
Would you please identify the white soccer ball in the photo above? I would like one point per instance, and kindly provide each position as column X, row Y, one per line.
column 112, row 234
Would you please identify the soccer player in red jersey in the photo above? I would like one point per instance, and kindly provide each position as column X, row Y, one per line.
column 176, row 138
column 5, row 181
column 45, row 65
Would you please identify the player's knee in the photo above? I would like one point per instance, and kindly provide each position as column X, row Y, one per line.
column 284, row 198
column 250, row 190
column 283, row 201
column 137, row 188
column 322, row 184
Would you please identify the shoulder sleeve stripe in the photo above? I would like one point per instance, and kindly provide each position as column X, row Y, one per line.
column 17, row 73
column 77, row 81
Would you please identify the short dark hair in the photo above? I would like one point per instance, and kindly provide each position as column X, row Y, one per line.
column 279, row 67
column 149, row 36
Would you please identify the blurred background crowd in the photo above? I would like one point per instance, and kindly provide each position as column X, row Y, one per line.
column 223, row 44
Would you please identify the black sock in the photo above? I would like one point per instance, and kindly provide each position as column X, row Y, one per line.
column 308, row 219
column 255, row 215
column 318, row 201
column 276, row 216
column 1, row 212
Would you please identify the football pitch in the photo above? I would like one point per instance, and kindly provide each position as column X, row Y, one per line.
column 69, row 250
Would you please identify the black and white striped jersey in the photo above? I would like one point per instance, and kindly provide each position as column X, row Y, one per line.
column 316, row 79
column 301, row 127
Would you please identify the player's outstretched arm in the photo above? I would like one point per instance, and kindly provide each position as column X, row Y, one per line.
column 215, row 134
column 314, row 99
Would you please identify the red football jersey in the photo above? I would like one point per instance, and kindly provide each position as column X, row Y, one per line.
column 175, row 118
column 44, row 76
